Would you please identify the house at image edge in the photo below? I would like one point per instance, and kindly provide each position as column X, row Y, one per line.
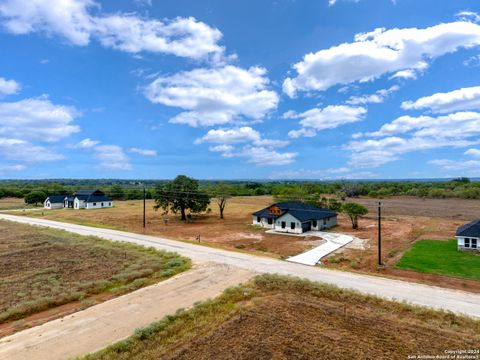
column 468, row 236
column 82, row 199
column 294, row 217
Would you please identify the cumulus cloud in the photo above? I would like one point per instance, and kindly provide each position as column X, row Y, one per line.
column 78, row 21
column 215, row 96
column 37, row 119
column 8, row 87
column 330, row 117
column 245, row 142
column 378, row 97
column 473, row 152
column 457, row 100
column 143, row 152
column 380, row 52
column 86, row 144
column 24, row 151
column 5, row 170
column 112, row 157
column 457, row 165
column 408, row 134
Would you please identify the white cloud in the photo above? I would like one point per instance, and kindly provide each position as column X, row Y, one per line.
column 409, row 134
column 265, row 156
column 473, row 152
column 24, row 151
column 378, row 97
column 225, row 149
column 380, row 52
column 329, row 117
column 457, row 100
column 333, row 2
column 405, row 74
column 215, row 96
column 143, row 152
column 8, row 87
column 112, row 157
column 5, row 170
column 86, row 144
column 37, row 119
column 78, row 21
column 323, row 174
column 457, row 165
column 468, row 16
column 472, row 61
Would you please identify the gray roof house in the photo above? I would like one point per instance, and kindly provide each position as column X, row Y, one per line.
column 468, row 236
column 82, row 199
column 294, row 217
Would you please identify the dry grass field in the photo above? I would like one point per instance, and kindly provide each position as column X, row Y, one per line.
column 283, row 318
column 12, row 203
column 42, row 269
column 406, row 220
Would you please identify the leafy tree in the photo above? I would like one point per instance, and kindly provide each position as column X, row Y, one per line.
column 179, row 195
column 117, row 192
column 354, row 211
column 223, row 194
column 35, row 197
column 134, row 194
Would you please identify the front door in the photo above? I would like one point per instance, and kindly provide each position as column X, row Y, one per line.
column 284, row 224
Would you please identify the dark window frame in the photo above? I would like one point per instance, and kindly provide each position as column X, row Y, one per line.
column 292, row 225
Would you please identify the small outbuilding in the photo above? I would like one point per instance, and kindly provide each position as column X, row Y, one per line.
column 468, row 236
column 294, row 217
column 54, row 202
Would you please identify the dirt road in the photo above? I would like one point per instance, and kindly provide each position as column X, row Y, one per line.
column 98, row 326
column 236, row 267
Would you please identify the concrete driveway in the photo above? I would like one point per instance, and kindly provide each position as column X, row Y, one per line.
column 21, row 345
column 334, row 241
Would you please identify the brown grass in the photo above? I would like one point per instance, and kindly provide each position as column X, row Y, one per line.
column 285, row 318
column 44, row 268
column 406, row 220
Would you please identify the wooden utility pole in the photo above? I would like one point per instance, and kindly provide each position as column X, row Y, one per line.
column 144, row 198
column 380, row 233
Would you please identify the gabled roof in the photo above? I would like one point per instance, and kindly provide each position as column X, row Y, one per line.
column 471, row 229
column 303, row 212
column 90, row 192
column 55, row 199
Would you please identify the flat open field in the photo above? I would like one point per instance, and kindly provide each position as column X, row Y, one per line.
column 406, row 220
column 12, row 203
column 282, row 318
column 441, row 257
column 41, row 269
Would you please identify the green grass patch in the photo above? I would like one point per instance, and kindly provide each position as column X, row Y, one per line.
column 441, row 257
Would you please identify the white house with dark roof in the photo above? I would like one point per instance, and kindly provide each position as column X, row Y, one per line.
column 468, row 236
column 83, row 199
column 294, row 217
column 54, row 202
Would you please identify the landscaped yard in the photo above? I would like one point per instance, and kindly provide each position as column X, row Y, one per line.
column 276, row 317
column 441, row 257
column 44, row 268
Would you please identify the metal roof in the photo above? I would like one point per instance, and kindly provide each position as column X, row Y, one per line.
column 54, row 199
column 471, row 229
column 303, row 212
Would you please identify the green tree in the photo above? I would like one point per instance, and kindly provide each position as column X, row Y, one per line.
column 223, row 194
column 35, row 197
column 180, row 195
column 354, row 211
column 117, row 192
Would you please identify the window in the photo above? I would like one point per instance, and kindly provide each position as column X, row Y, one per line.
column 292, row 225
column 101, row 204
column 314, row 223
column 109, row 204
column 324, row 221
column 258, row 219
column 467, row 242
column 474, row 244
column 284, row 224
column 270, row 220
column 94, row 204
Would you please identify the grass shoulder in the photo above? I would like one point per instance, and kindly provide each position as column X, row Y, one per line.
column 44, row 268
column 275, row 316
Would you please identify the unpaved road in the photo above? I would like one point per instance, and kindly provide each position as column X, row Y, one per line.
column 435, row 297
column 98, row 326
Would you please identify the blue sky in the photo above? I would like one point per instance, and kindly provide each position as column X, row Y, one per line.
column 318, row 89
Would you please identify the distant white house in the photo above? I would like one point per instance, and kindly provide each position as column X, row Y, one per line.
column 54, row 202
column 294, row 217
column 83, row 199
column 468, row 236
